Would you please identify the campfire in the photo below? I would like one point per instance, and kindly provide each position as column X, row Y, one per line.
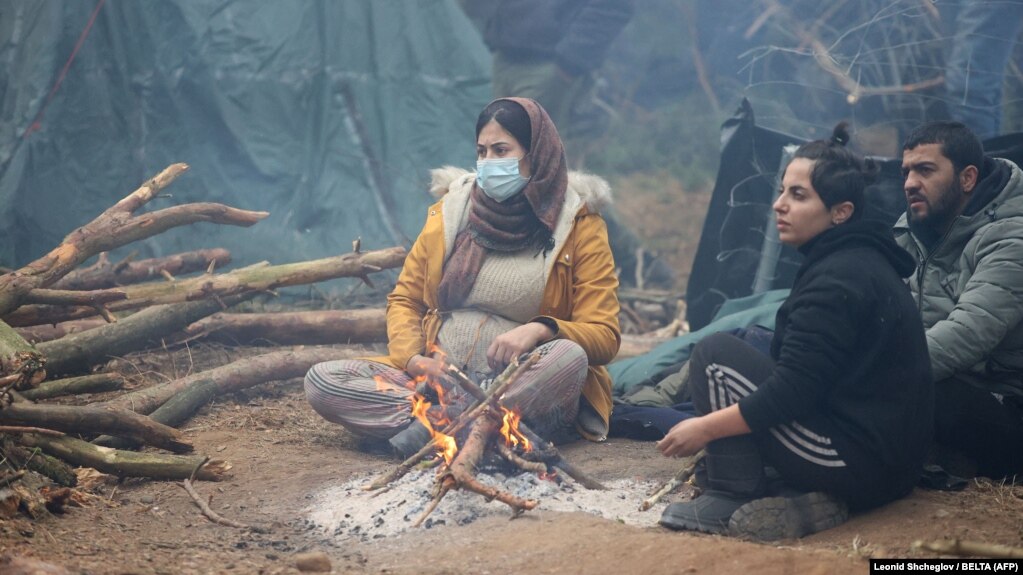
column 492, row 429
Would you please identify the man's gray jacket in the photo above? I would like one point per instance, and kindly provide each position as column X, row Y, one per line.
column 969, row 285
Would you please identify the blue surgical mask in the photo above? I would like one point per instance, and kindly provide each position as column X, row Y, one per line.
column 500, row 178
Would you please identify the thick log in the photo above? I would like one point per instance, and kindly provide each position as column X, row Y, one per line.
column 90, row 419
column 252, row 278
column 238, row 375
column 293, row 328
column 129, row 463
column 105, row 274
column 70, row 297
column 115, row 227
column 79, row 351
column 49, row 332
column 176, row 411
column 74, row 385
column 34, row 460
column 19, row 359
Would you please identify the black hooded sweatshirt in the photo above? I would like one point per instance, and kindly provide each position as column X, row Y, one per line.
column 849, row 346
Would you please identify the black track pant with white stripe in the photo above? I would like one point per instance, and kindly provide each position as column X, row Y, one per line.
column 810, row 454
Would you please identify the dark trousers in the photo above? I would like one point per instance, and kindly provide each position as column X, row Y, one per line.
column 811, row 454
column 988, row 431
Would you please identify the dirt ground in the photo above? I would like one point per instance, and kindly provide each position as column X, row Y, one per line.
column 282, row 454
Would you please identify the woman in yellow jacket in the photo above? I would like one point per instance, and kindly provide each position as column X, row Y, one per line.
column 513, row 258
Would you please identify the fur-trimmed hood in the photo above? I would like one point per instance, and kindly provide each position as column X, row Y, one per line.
column 594, row 191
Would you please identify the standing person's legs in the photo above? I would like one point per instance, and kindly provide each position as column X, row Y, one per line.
column 984, row 429
column 984, row 36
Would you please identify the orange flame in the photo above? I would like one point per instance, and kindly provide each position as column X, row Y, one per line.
column 382, row 385
column 438, row 353
column 510, row 431
column 444, row 443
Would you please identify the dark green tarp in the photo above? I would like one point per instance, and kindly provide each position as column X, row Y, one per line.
column 326, row 113
column 665, row 359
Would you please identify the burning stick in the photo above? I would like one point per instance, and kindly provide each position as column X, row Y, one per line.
column 554, row 457
column 460, row 473
column 531, row 466
column 681, row 477
column 503, row 382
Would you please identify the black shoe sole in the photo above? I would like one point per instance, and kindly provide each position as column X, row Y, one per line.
column 774, row 518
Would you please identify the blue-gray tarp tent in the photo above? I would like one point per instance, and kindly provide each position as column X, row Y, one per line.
column 328, row 114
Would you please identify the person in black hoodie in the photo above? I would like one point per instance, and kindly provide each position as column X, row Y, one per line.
column 842, row 410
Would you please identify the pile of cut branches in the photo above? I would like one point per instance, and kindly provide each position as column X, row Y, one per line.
column 59, row 323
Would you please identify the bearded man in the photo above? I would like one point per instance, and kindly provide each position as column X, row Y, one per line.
column 964, row 226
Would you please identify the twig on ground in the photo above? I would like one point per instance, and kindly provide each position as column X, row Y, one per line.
column 213, row 516
column 681, row 477
column 205, row 508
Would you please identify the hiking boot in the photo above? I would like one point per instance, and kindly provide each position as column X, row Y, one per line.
column 708, row 513
column 410, row 440
column 773, row 518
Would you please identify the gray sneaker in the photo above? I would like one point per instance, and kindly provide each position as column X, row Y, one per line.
column 773, row 518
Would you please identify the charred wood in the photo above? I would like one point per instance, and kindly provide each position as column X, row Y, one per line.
column 552, row 455
column 462, row 473
column 509, row 376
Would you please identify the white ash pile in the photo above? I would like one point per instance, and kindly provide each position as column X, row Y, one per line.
column 348, row 512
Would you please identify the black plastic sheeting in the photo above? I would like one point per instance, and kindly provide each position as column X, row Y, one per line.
column 328, row 114
column 729, row 253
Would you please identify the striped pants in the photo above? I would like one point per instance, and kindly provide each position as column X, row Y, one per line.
column 372, row 399
column 811, row 454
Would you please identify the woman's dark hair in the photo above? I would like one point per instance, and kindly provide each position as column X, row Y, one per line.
column 511, row 116
column 839, row 174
